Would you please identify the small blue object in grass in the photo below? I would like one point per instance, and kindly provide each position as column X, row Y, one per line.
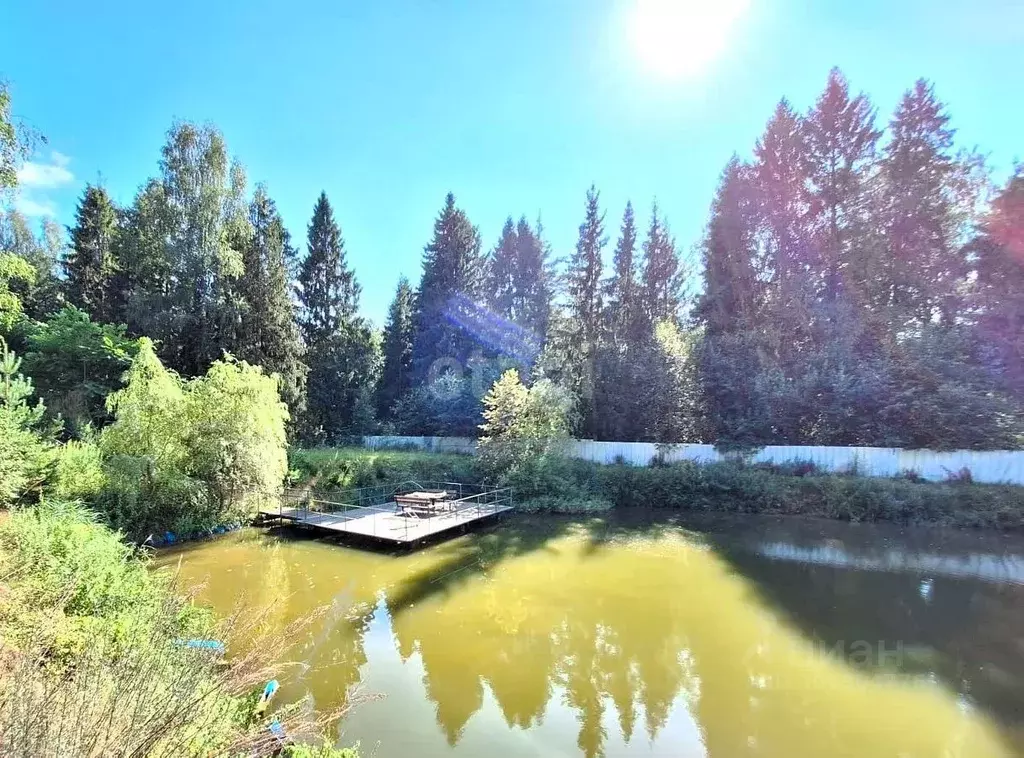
column 277, row 730
column 267, row 695
column 215, row 645
column 169, row 538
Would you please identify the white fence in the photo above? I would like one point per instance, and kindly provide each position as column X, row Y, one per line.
column 989, row 466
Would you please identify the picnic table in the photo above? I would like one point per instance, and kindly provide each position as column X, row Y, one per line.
column 421, row 503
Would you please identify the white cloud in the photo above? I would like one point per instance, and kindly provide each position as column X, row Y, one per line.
column 36, row 179
column 34, row 208
column 46, row 175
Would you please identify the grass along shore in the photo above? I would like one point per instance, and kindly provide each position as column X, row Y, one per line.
column 561, row 485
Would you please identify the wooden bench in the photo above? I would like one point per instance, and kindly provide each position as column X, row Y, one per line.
column 420, row 504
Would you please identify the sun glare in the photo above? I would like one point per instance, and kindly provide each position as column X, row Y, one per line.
column 680, row 38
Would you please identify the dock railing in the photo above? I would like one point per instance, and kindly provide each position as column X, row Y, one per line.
column 310, row 506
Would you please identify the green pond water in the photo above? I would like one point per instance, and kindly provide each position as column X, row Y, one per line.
column 715, row 637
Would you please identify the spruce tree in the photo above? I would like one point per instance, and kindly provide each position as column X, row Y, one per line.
column 623, row 296
column 841, row 141
column 922, row 266
column 583, row 280
column 452, row 279
column 396, row 374
column 533, row 286
column 140, row 287
column 342, row 352
column 732, row 294
column 267, row 334
column 90, row 266
column 662, row 278
column 328, row 292
column 782, row 203
column 502, row 273
column 584, row 274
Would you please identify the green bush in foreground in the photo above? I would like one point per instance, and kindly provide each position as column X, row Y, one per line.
column 92, row 663
column 188, row 456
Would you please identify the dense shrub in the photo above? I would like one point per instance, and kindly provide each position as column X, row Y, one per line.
column 75, row 363
column 78, row 471
column 333, row 468
column 185, row 457
column 26, row 449
column 92, row 660
column 523, row 423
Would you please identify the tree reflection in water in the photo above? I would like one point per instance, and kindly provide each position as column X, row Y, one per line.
column 655, row 639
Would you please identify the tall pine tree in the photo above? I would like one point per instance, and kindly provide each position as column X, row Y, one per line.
column 452, row 277
column 922, row 269
column 662, row 278
column 328, row 290
column 841, row 141
column 502, row 269
column 396, row 374
column 90, row 267
column 342, row 352
column 623, row 297
column 267, row 334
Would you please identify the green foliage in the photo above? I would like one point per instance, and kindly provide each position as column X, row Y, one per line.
column 319, row 751
column 447, row 407
column 267, row 335
column 522, row 424
column 78, row 473
column 93, row 660
column 234, row 433
column 328, row 289
column 41, row 294
column 17, row 271
column 76, row 363
column 25, row 442
column 343, row 369
column 188, row 456
column 90, row 266
column 11, row 148
column 396, row 373
column 452, row 272
column 341, row 468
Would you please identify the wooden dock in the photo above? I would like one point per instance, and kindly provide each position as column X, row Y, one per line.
column 388, row 521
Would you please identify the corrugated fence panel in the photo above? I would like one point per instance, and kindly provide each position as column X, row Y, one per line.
column 988, row 466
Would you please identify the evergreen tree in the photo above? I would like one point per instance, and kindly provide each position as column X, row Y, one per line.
column 267, row 334
column 662, row 278
column 841, row 139
column 583, row 282
column 328, row 289
column 584, row 275
column 623, row 298
column 533, row 280
column 342, row 352
column 732, row 291
column 999, row 296
column 396, row 375
column 502, row 279
column 90, row 266
column 452, row 280
column 141, row 285
column 782, row 202
column 923, row 267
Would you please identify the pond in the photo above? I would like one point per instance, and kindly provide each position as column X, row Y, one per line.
column 721, row 637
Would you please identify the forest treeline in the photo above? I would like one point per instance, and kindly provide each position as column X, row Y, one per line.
column 858, row 283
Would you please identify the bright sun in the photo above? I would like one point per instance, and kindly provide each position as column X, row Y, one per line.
column 679, row 38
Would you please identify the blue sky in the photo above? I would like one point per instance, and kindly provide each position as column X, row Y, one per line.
column 514, row 105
